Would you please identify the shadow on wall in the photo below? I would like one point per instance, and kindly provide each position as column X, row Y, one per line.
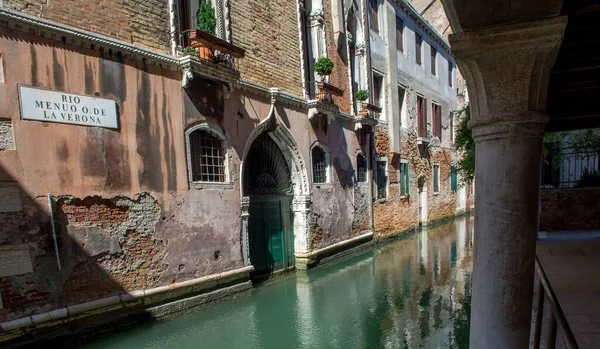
column 96, row 260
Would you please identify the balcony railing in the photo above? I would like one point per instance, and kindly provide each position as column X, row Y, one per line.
column 328, row 92
column 210, row 49
column 557, row 317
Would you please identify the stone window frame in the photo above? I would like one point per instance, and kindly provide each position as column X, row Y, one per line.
column 328, row 180
column 387, row 179
column 433, row 177
column 433, row 59
column 360, row 152
column 381, row 101
column 400, row 26
column 219, row 133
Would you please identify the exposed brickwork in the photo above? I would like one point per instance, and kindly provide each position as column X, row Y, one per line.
column 134, row 267
column 6, row 135
column 94, row 211
column 397, row 213
column 18, row 295
column 140, row 22
column 339, row 76
column 268, row 30
column 570, row 209
column 382, row 141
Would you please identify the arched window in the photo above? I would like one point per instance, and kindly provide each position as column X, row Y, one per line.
column 320, row 164
column 361, row 168
column 207, row 155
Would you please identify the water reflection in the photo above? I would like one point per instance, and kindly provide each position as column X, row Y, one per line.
column 413, row 293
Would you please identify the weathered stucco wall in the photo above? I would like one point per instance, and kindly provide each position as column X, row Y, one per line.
column 570, row 209
column 124, row 216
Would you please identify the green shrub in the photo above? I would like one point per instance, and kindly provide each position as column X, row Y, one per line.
column 324, row 66
column 189, row 51
column 362, row 95
column 207, row 22
column 589, row 179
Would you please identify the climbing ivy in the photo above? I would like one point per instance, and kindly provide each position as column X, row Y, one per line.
column 465, row 146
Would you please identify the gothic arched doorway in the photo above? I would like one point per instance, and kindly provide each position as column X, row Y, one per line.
column 267, row 182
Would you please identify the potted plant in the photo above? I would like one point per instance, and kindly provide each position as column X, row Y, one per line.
column 207, row 22
column 361, row 96
column 324, row 67
column 189, row 51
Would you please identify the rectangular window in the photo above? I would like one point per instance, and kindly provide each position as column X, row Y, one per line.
column 418, row 48
column 382, row 179
column 404, row 179
column 374, row 12
column 453, row 179
column 436, row 114
column 433, row 60
column 402, row 106
column 421, row 117
column 399, row 34
column 377, row 89
column 319, row 160
column 208, row 157
column 361, row 168
column 436, row 178
column 450, row 68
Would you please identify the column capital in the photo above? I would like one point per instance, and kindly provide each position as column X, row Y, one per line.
column 507, row 70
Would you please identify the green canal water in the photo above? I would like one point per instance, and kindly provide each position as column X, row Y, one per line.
column 410, row 293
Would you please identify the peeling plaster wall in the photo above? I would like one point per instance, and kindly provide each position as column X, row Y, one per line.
column 126, row 218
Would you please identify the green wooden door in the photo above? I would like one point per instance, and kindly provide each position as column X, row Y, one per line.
column 267, row 233
column 256, row 237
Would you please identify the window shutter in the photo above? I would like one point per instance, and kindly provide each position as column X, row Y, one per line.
column 407, row 180
column 453, row 179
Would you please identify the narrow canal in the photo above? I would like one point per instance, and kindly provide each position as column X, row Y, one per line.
column 410, row 293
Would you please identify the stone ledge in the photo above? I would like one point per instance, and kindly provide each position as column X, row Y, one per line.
column 311, row 259
column 237, row 279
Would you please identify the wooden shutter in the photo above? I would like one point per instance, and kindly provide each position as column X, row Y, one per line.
column 433, row 62
column 453, row 179
column 374, row 20
column 418, row 42
column 399, row 34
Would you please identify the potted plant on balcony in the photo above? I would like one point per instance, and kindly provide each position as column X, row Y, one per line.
column 324, row 67
column 207, row 22
column 361, row 96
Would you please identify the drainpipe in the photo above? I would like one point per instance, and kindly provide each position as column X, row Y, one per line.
column 51, row 211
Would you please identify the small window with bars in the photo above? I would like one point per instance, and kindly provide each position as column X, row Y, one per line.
column 361, row 168
column 319, row 164
column 436, row 178
column 207, row 157
column 382, row 179
column 404, row 179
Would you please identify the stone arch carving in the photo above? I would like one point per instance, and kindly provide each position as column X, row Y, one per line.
column 301, row 202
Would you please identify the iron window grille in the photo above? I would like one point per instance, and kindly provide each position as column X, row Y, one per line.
column 207, row 157
column 319, row 159
column 361, row 168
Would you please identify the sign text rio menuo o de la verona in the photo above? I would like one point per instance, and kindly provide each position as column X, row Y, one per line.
column 54, row 106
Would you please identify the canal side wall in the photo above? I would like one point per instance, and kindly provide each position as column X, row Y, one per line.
column 570, row 209
column 125, row 215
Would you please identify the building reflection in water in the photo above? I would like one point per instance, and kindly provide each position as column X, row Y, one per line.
column 409, row 293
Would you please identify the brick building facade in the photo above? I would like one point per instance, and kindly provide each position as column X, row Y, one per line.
column 175, row 198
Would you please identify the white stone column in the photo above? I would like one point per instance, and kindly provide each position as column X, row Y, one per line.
column 301, row 205
column 506, row 69
column 245, row 204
